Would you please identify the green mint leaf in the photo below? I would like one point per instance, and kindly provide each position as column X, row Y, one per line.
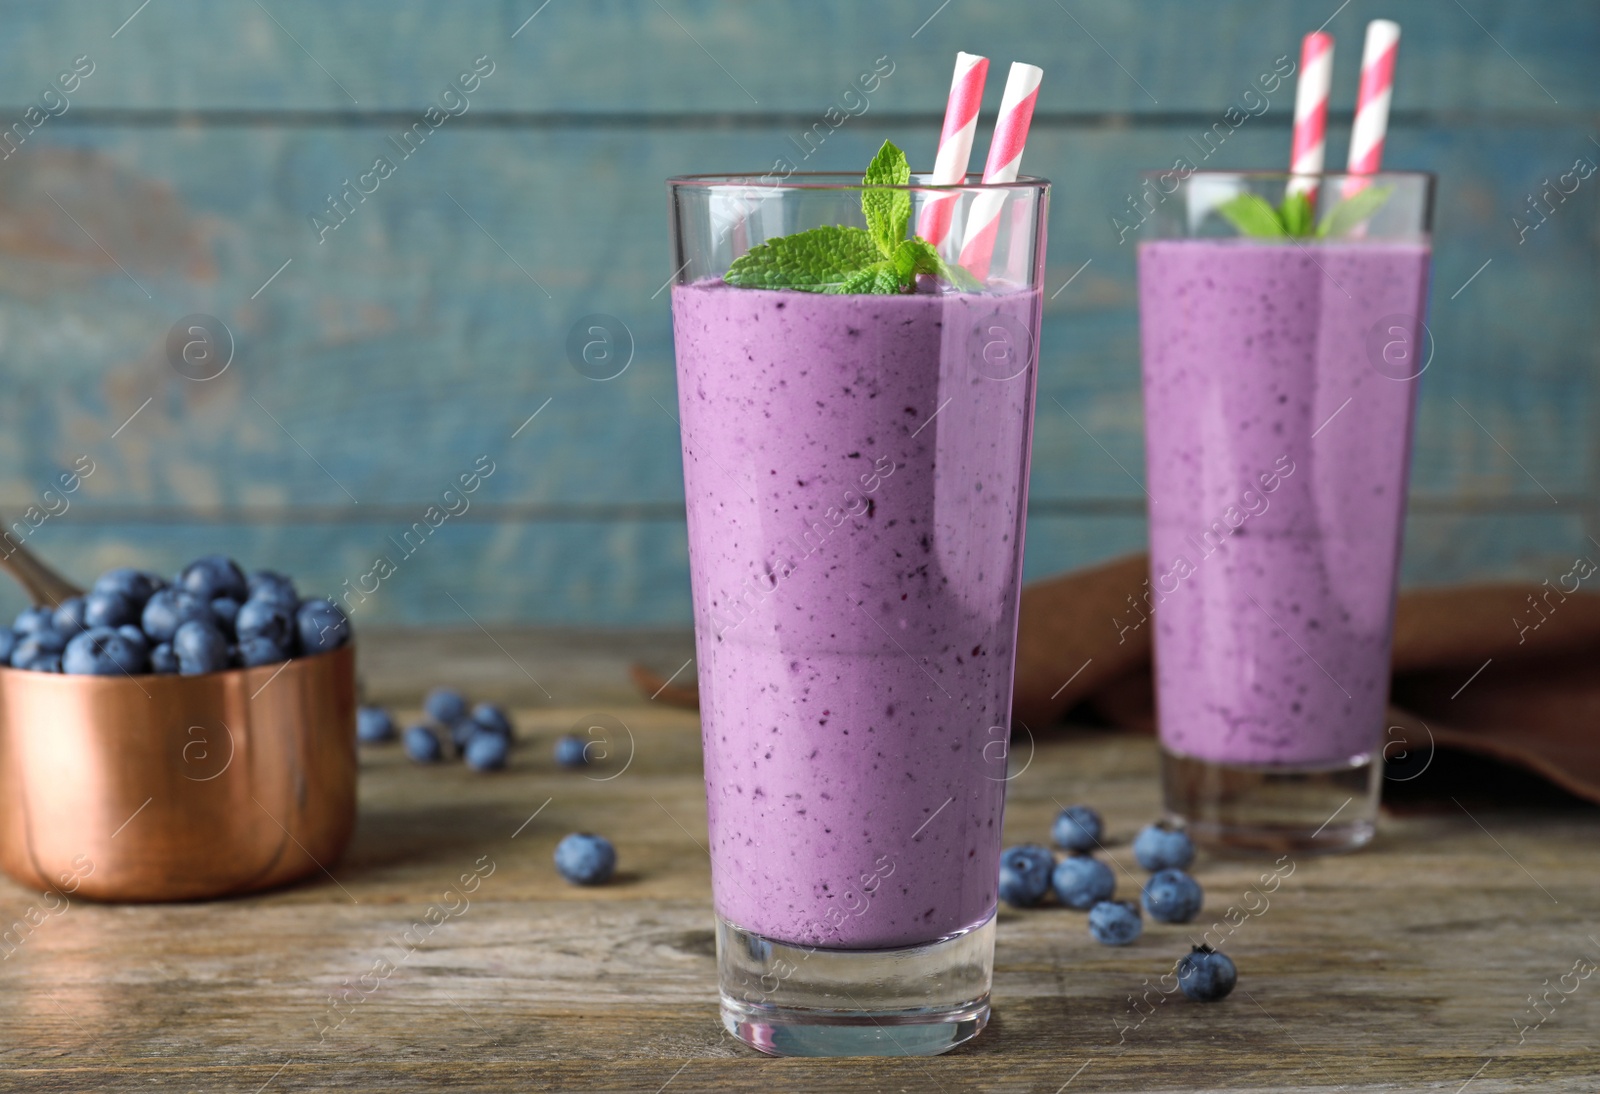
column 1295, row 214
column 888, row 212
column 1356, row 209
column 917, row 256
column 818, row 260
column 880, row 278
column 1252, row 215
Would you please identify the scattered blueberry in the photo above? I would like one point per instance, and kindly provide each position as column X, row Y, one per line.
column 493, row 718
column 463, row 730
column 34, row 619
column 487, row 751
column 445, row 706
column 163, row 659
column 200, row 647
column 101, row 651
column 422, row 746
column 571, row 751
column 265, row 619
column 1025, row 874
column 35, row 644
column 373, row 725
column 1082, row 882
column 1077, row 828
column 169, row 609
column 1160, row 847
column 1206, row 975
column 109, row 609
column 586, row 859
column 226, row 611
column 213, row 576
column 258, row 650
column 1172, row 896
column 68, row 618
column 322, row 625
column 1115, row 922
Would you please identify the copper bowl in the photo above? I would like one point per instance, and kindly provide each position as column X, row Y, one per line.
column 156, row 787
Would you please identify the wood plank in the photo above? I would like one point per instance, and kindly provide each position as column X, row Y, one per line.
column 704, row 56
column 1352, row 976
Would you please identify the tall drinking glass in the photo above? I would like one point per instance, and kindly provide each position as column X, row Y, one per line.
column 855, row 470
column 1280, row 384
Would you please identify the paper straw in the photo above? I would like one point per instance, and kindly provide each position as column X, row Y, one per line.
column 1005, row 158
column 955, row 144
column 1372, row 102
column 1311, row 113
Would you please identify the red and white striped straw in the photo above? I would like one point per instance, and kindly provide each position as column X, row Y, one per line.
column 1311, row 113
column 955, row 144
column 1372, row 102
column 1005, row 160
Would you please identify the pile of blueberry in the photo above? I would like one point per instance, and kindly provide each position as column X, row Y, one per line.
column 1028, row 873
column 211, row 617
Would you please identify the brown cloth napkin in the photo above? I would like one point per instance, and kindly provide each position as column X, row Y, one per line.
column 1478, row 668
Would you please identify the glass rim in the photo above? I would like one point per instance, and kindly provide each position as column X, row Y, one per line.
column 1216, row 172
column 844, row 180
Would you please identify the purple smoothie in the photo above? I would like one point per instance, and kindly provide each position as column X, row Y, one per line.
column 856, row 476
column 1278, row 456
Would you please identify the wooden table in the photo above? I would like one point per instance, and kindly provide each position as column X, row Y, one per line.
column 1408, row 966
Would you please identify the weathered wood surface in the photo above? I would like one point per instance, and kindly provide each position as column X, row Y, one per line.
column 185, row 169
column 1406, row 967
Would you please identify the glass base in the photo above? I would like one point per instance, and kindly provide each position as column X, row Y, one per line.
column 789, row 1000
column 1274, row 809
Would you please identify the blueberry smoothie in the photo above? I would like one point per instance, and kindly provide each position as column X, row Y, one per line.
column 1279, row 387
column 856, row 470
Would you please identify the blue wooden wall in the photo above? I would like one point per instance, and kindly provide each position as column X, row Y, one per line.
column 387, row 357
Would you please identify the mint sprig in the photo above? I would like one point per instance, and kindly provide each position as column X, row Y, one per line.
column 1254, row 216
column 878, row 259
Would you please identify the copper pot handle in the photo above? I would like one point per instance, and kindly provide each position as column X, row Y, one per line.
column 40, row 581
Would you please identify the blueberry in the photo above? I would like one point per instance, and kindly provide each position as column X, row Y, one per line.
column 68, row 618
column 101, row 651
column 422, row 746
column 571, row 751
column 1115, row 922
column 486, row 750
column 8, row 643
column 200, row 647
column 136, row 585
column 109, row 609
column 1159, row 847
column 133, row 634
column 258, row 650
column 269, row 585
column 463, row 730
column 169, row 609
column 33, row 619
column 586, row 859
column 445, row 706
column 44, row 662
column 212, row 576
column 226, row 611
column 1077, row 828
column 36, row 644
column 163, row 659
column 323, row 626
column 493, row 718
column 1025, row 874
column 262, row 618
column 1206, row 975
column 1082, row 882
column 373, row 725
column 1172, row 896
